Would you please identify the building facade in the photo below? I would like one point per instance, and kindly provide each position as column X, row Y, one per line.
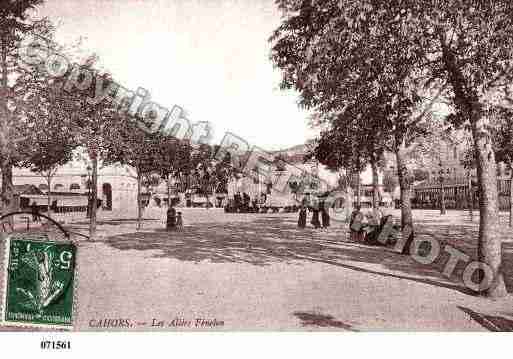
column 117, row 185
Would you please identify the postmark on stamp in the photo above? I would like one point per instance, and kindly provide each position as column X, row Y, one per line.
column 38, row 281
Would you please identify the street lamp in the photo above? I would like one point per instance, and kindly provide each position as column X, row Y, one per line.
column 88, row 184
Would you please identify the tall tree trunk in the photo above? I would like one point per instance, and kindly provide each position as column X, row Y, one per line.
column 94, row 198
column 467, row 100
column 511, row 197
column 168, row 182
column 7, row 192
column 375, row 184
column 139, row 200
column 349, row 179
column 405, row 197
column 207, row 191
column 358, row 190
column 348, row 187
column 342, row 184
column 8, row 200
column 489, row 242
column 442, row 196
column 358, row 183
column 470, row 198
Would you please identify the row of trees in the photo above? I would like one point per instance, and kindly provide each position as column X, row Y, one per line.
column 42, row 126
column 374, row 74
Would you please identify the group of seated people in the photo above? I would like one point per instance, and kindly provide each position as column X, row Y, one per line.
column 366, row 227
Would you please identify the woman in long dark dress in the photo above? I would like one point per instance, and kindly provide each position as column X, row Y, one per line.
column 315, row 217
column 303, row 214
column 325, row 216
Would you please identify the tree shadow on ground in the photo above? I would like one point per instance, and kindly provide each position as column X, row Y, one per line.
column 311, row 319
column 464, row 238
column 491, row 322
column 268, row 240
column 507, row 265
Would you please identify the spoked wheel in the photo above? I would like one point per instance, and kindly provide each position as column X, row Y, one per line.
column 29, row 225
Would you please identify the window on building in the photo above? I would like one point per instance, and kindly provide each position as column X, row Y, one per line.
column 74, row 187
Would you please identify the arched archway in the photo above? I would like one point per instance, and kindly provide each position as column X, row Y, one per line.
column 107, row 194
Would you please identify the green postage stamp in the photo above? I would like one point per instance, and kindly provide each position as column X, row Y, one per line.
column 38, row 281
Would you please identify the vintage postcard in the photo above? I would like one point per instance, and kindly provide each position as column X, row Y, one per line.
column 256, row 165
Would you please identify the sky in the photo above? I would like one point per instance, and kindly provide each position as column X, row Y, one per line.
column 210, row 57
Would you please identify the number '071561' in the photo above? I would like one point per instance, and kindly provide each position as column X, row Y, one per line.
column 55, row 344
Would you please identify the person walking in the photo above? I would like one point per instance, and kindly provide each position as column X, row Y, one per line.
column 325, row 215
column 301, row 222
column 315, row 210
column 305, row 204
column 35, row 212
column 179, row 221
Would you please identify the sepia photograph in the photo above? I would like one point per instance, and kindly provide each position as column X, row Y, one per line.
column 255, row 166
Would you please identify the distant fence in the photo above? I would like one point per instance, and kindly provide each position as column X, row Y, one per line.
column 457, row 195
column 60, row 209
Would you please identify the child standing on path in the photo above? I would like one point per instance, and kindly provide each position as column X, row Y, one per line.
column 179, row 221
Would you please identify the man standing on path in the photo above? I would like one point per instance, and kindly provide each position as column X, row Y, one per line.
column 315, row 209
column 171, row 219
column 325, row 214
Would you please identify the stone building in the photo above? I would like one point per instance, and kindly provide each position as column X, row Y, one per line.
column 117, row 185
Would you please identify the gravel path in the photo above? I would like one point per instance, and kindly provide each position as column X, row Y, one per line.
column 259, row 272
